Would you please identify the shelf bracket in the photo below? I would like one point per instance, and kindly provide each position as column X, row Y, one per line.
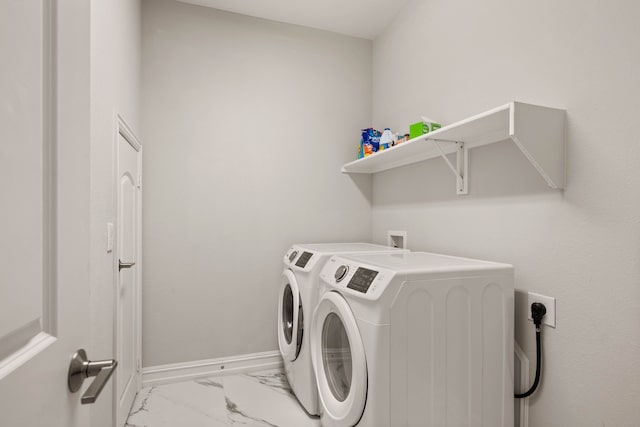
column 461, row 169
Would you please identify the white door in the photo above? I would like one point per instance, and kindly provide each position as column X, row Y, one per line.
column 44, row 210
column 128, row 266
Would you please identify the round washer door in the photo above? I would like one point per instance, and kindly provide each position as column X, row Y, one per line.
column 290, row 321
column 339, row 361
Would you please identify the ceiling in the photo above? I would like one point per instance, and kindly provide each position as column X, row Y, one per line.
column 359, row 18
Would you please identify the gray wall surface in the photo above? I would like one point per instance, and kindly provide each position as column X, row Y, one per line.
column 115, row 88
column 246, row 124
column 581, row 245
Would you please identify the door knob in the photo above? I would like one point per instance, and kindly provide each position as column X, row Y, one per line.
column 122, row 265
column 81, row 368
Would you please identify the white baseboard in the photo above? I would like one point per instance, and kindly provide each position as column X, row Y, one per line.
column 176, row 372
column 523, row 372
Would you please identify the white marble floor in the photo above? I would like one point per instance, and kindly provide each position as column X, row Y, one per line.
column 253, row 399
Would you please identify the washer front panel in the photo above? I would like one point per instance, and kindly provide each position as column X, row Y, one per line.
column 339, row 363
column 289, row 326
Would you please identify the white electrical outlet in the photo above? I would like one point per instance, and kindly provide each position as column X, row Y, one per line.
column 549, row 318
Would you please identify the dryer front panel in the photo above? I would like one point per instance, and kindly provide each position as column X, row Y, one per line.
column 339, row 361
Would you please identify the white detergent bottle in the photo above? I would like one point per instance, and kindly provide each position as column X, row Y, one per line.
column 386, row 138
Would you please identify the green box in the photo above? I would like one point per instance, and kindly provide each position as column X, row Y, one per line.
column 420, row 128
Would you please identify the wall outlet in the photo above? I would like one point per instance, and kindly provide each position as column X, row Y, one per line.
column 549, row 318
column 397, row 239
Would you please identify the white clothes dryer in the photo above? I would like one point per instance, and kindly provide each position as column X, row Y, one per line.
column 297, row 301
column 414, row 339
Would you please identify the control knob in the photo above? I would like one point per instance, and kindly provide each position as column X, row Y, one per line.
column 341, row 272
column 293, row 256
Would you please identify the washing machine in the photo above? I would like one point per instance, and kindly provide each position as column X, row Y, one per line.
column 415, row 339
column 297, row 301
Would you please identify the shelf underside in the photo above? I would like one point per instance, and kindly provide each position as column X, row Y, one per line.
column 537, row 131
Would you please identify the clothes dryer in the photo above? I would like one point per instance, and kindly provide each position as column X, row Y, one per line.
column 297, row 301
column 414, row 339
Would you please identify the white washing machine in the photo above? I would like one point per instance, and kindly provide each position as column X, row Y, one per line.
column 414, row 339
column 297, row 300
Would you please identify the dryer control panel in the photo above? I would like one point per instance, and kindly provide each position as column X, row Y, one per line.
column 299, row 259
column 362, row 279
column 356, row 279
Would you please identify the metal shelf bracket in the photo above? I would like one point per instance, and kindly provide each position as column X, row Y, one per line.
column 461, row 169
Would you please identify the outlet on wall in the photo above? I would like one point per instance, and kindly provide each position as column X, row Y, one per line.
column 397, row 239
column 549, row 318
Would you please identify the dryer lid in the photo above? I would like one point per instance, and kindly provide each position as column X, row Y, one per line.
column 347, row 248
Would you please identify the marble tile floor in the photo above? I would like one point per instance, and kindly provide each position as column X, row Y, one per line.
column 251, row 399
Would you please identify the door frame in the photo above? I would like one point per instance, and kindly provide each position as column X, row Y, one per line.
column 123, row 129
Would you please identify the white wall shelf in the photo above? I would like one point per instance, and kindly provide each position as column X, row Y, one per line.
column 537, row 131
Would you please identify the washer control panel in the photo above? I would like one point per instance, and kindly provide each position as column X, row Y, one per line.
column 355, row 278
column 297, row 258
column 303, row 260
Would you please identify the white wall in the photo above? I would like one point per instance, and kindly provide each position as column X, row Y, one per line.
column 581, row 245
column 246, row 124
column 115, row 76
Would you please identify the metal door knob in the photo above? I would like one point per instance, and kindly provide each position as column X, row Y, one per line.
column 81, row 368
column 122, row 265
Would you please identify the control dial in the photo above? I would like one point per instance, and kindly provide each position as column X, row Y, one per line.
column 293, row 256
column 341, row 272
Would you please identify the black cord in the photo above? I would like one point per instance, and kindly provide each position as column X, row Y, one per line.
column 538, row 363
column 538, row 310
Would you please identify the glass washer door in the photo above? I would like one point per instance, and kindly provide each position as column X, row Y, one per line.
column 339, row 360
column 289, row 332
column 336, row 356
